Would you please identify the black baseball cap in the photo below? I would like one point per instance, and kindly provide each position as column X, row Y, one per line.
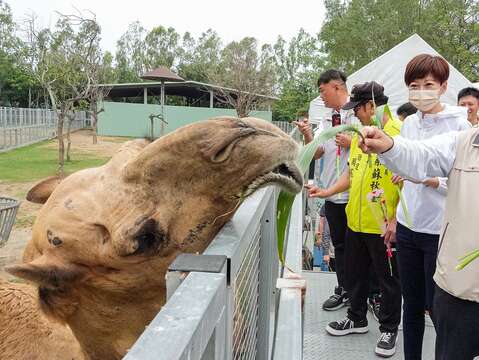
column 362, row 93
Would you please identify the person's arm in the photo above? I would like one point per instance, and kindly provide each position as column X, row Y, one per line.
column 339, row 186
column 414, row 159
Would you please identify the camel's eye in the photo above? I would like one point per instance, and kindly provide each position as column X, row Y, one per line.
column 54, row 240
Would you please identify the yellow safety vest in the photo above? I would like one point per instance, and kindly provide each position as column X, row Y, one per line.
column 368, row 174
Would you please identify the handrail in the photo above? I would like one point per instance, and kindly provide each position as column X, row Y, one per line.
column 182, row 329
column 288, row 341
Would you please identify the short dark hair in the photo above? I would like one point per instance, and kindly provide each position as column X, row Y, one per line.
column 422, row 65
column 406, row 109
column 330, row 75
column 469, row 91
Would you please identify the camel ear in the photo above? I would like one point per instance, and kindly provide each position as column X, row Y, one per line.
column 41, row 191
column 47, row 274
column 55, row 285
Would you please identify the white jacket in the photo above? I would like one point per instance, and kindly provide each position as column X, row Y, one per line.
column 426, row 204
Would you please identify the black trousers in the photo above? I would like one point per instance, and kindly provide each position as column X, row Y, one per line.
column 362, row 251
column 457, row 327
column 338, row 224
column 417, row 253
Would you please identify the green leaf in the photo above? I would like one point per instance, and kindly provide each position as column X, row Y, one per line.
column 467, row 259
column 285, row 199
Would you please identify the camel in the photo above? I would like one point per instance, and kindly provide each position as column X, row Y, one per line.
column 102, row 242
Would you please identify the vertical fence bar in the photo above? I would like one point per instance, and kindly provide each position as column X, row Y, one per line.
column 267, row 276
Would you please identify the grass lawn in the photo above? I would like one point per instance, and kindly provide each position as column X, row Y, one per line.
column 35, row 162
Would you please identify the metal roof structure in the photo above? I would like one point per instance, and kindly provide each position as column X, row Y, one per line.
column 190, row 89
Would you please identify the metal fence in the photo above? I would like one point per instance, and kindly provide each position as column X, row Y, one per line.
column 286, row 126
column 23, row 126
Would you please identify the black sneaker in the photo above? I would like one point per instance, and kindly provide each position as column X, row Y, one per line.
column 347, row 326
column 336, row 301
column 373, row 305
column 386, row 345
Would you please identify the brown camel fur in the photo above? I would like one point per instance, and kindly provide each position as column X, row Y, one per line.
column 20, row 314
column 103, row 240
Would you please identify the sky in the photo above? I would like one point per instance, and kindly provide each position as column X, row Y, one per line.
column 262, row 19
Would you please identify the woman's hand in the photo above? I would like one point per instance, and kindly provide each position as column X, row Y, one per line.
column 375, row 140
column 432, row 182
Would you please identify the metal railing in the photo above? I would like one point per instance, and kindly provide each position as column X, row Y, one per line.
column 288, row 340
column 24, row 126
column 286, row 126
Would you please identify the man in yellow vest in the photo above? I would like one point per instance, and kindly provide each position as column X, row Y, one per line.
column 371, row 218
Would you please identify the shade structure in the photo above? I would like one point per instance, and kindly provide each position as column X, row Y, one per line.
column 161, row 73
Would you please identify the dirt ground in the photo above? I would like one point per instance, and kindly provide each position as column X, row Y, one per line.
column 12, row 251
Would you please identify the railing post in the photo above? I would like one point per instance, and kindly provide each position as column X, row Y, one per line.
column 268, row 273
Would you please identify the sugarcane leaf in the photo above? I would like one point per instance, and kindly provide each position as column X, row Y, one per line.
column 285, row 199
column 467, row 259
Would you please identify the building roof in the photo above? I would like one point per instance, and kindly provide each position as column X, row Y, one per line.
column 191, row 89
column 161, row 73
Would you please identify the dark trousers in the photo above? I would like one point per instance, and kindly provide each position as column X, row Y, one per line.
column 374, row 289
column 362, row 251
column 417, row 254
column 457, row 327
column 336, row 216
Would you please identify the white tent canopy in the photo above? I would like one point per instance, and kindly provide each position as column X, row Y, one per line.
column 388, row 70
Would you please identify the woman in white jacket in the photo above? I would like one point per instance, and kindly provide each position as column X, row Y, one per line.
column 417, row 242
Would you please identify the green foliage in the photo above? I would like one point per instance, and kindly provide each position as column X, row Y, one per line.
column 298, row 64
column 356, row 32
column 15, row 80
column 294, row 99
column 35, row 162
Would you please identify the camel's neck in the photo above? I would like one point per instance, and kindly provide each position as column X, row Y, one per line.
column 107, row 327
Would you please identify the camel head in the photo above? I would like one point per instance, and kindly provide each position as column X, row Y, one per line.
column 104, row 238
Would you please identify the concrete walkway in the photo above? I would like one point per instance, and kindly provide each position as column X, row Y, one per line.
column 319, row 345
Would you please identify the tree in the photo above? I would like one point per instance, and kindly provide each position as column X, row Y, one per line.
column 62, row 62
column 131, row 54
column 245, row 73
column 199, row 57
column 356, row 32
column 298, row 64
column 161, row 46
column 15, row 81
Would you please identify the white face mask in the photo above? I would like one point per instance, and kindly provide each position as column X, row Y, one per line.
column 424, row 100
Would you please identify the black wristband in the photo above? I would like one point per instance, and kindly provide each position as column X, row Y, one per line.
column 385, row 151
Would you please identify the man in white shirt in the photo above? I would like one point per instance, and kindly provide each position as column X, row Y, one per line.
column 334, row 155
column 469, row 98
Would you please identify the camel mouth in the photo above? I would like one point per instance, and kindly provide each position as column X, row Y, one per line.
column 287, row 175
